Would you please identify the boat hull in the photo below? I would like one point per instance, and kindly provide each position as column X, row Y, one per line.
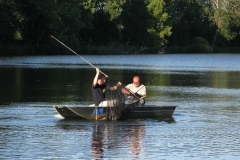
column 155, row 112
column 101, row 113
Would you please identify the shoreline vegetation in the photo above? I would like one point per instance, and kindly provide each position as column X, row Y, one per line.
column 119, row 27
column 114, row 49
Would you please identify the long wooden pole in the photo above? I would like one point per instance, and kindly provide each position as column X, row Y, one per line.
column 77, row 54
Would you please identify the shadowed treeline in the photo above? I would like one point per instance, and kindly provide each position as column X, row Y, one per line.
column 119, row 26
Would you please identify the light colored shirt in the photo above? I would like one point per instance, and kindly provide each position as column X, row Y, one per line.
column 141, row 89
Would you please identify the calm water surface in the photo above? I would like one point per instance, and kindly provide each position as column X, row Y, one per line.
column 205, row 124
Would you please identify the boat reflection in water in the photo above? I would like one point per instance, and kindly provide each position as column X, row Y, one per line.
column 136, row 139
column 121, row 137
column 97, row 140
column 112, row 136
column 124, row 138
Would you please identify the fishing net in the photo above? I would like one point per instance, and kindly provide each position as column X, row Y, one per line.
column 119, row 105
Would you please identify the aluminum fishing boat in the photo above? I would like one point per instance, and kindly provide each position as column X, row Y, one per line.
column 106, row 113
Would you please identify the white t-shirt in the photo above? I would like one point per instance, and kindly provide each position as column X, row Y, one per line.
column 141, row 89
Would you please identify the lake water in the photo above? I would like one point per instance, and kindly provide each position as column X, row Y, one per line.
column 205, row 125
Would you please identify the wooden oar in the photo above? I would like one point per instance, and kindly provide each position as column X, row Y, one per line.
column 142, row 97
column 77, row 54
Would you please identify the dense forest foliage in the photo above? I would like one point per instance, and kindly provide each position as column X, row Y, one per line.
column 119, row 26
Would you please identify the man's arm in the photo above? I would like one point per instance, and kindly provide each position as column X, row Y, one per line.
column 96, row 77
column 116, row 86
column 125, row 90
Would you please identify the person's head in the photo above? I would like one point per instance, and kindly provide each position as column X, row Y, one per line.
column 136, row 81
column 101, row 79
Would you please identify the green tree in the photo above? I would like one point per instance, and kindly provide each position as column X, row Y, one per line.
column 10, row 22
column 35, row 20
column 102, row 30
column 68, row 21
column 134, row 19
column 114, row 8
column 140, row 22
column 234, row 12
column 158, row 29
column 189, row 19
column 223, row 19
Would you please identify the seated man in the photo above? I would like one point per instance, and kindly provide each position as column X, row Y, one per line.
column 137, row 89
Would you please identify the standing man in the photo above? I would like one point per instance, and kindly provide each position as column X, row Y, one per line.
column 99, row 88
